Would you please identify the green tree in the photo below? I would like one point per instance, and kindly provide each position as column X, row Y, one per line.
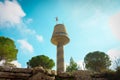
column 8, row 49
column 97, row 61
column 41, row 60
column 72, row 67
column 117, row 62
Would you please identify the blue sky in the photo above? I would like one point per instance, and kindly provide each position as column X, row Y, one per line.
column 91, row 25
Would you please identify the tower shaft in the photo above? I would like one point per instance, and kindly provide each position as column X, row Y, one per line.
column 60, row 58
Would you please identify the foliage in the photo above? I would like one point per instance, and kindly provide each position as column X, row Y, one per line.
column 8, row 49
column 117, row 62
column 118, row 69
column 41, row 60
column 97, row 61
column 72, row 67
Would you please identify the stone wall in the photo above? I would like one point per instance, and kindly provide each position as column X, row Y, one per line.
column 14, row 73
column 39, row 73
column 78, row 75
column 42, row 74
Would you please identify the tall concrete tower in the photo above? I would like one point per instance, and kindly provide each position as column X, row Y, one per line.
column 60, row 38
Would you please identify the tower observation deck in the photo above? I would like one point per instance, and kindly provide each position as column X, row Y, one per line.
column 60, row 38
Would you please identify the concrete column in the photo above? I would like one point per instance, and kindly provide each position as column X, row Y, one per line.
column 60, row 58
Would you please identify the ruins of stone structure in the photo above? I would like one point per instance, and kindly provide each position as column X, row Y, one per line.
column 39, row 73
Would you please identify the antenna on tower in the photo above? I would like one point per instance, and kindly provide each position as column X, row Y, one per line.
column 56, row 20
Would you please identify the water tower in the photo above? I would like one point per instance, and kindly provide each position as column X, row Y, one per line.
column 60, row 38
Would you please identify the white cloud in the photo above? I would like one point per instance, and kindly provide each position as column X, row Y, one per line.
column 25, row 46
column 65, row 66
column 2, row 62
column 11, row 13
column 26, row 31
column 16, row 63
column 81, row 65
column 94, row 20
column 114, row 54
column 39, row 38
column 114, row 24
column 30, row 20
